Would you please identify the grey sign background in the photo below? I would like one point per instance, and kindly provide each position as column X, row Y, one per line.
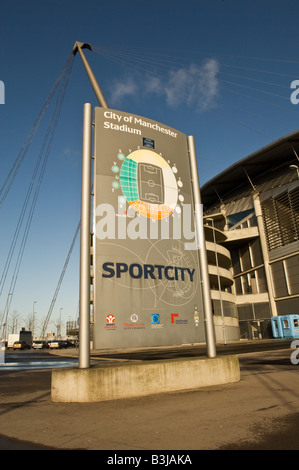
column 131, row 311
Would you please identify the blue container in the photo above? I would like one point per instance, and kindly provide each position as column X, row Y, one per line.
column 290, row 326
column 276, row 325
column 294, row 324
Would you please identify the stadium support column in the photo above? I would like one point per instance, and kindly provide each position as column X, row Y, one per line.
column 203, row 262
column 260, row 224
column 84, row 313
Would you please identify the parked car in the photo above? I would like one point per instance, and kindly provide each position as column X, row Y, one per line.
column 67, row 344
column 55, row 344
column 40, row 345
column 20, row 345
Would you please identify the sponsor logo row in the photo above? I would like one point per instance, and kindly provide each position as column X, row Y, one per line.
column 155, row 321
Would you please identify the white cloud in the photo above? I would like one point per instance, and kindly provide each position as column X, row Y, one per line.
column 195, row 86
column 153, row 85
column 121, row 89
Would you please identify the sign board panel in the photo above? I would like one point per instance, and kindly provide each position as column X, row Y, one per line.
column 146, row 281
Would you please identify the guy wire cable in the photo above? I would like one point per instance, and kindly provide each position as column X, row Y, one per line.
column 48, row 317
column 136, row 62
column 45, row 149
column 21, row 251
column 22, row 214
column 136, row 65
column 19, row 160
column 146, row 61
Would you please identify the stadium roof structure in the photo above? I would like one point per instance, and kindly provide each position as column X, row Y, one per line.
column 284, row 151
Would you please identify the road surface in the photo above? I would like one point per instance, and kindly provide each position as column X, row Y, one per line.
column 259, row 412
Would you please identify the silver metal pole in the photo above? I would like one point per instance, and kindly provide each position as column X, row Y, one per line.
column 93, row 81
column 84, row 313
column 202, row 253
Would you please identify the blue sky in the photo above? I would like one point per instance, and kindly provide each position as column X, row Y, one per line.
column 218, row 70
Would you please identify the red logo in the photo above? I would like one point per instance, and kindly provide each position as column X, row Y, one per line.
column 173, row 316
column 110, row 319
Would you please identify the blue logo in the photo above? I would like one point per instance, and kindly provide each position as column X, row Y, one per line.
column 155, row 319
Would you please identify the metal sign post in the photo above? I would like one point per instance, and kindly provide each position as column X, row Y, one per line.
column 84, row 317
column 93, row 81
column 210, row 331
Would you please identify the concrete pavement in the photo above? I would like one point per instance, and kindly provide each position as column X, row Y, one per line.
column 260, row 411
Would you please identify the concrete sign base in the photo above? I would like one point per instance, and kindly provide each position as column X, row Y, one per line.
column 128, row 380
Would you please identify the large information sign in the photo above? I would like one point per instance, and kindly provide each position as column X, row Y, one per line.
column 146, row 281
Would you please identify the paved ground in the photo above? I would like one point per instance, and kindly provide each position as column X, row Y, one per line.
column 259, row 412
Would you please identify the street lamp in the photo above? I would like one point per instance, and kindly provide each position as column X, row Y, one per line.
column 61, row 308
column 33, row 319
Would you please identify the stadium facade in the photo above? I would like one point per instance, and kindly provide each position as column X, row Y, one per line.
column 251, row 216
